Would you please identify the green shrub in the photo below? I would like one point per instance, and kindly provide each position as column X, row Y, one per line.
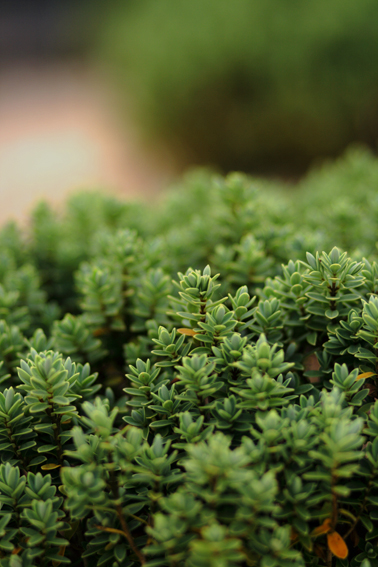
column 219, row 420
column 263, row 84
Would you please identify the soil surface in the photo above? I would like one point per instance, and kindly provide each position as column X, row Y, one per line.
column 60, row 131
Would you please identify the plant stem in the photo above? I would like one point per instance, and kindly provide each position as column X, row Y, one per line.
column 362, row 506
column 55, row 420
column 128, row 535
column 329, row 558
column 125, row 528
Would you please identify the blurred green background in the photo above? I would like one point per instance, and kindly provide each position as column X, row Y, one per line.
column 262, row 86
column 257, row 85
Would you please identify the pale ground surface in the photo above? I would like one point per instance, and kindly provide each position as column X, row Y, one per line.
column 60, row 132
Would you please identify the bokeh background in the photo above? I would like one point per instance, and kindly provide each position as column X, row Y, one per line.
column 125, row 95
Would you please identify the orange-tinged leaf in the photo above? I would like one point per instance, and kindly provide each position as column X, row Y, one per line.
column 50, row 466
column 365, row 375
column 293, row 536
column 337, row 545
column 61, row 552
column 99, row 332
column 189, row 332
column 311, row 363
column 325, row 528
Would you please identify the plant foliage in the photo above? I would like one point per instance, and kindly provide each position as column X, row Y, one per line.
column 157, row 414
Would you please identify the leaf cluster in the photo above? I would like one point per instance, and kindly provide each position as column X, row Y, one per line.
column 210, row 419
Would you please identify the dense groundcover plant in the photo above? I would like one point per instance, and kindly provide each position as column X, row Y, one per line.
column 193, row 385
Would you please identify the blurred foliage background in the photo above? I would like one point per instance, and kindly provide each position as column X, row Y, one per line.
column 262, row 86
column 257, row 85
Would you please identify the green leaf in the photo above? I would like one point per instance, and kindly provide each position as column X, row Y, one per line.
column 332, row 314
